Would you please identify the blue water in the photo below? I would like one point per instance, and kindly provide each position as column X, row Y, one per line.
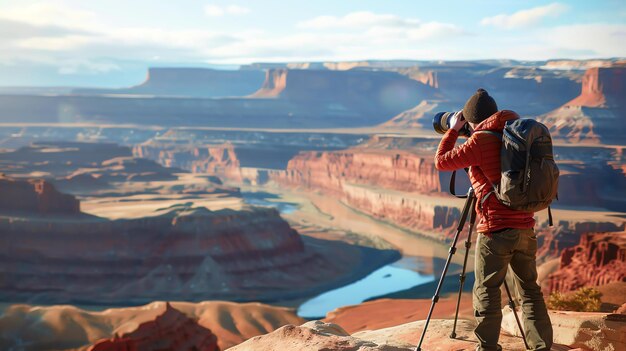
column 260, row 198
column 400, row 275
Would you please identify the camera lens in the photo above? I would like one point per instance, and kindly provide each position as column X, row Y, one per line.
column 441, row 124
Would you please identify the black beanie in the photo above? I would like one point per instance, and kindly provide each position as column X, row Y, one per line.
column 479, row 107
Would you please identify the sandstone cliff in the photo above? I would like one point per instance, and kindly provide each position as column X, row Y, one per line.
column 35, row 197
column 179, row 253
column 597, row 114
column 346, row 91
column 599, row 259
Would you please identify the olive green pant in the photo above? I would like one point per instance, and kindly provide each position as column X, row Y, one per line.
column 494, row 253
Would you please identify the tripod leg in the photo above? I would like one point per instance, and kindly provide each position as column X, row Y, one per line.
column 451, row 252
column 512, row 306
column 468, row 245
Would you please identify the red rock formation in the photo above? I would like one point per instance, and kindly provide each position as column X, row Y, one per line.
column 568, row 233
column 220, row 160
column 275, row 83
column 401, row 186
column 181, row 253
column 597, row 114
column 602, row 87
column 35, row 196
column 170, row 331
column 599, row 259
column 347, row 92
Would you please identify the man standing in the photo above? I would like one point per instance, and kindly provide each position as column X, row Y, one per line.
column 505, row 236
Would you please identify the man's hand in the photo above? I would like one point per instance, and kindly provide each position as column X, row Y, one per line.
column 457, row 122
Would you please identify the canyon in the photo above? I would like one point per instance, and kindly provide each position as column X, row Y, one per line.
column 298, row 95
column 178, row 252
column 276, row 183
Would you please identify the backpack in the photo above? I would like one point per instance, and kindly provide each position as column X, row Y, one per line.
column 529, row 175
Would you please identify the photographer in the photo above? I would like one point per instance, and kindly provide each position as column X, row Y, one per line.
column 506, row 236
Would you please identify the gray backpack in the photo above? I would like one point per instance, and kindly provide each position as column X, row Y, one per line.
column 530, row 176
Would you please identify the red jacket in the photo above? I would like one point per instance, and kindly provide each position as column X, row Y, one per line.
column 482, row 152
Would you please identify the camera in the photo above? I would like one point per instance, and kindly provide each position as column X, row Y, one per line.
column 441, row 123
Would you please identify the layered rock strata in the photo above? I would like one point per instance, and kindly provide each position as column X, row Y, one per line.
column 599, row 259
column 180, row 253
column 597, row 114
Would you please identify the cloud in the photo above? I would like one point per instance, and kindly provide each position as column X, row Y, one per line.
column 377, row 28
column 596, row 40
column 14, row 30
column 358, row 20
column 50, row 14
column 525, row 18
column 218, row 11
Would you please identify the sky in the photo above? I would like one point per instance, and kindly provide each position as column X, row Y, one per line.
column 75, row 42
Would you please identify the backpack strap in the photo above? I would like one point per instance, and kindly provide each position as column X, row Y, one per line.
column 550, row 217
column 452, row 185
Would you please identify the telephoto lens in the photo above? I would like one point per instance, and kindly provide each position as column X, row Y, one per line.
column 441, row 124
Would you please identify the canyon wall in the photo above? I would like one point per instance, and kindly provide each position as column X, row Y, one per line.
column 599, row 259
column 180, row 252
column 394, row 178
column 389, row 178
column 597, row 114
column 35, row 197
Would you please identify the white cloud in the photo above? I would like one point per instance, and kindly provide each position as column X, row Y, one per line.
column 358, row 20
column 381, row 28
column 590, row 40
column 217, row 11
column 50, row 14
column 525, row 18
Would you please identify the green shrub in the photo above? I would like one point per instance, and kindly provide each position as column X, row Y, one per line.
column 581, row 300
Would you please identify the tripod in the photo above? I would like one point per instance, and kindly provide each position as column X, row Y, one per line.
column 470, row 203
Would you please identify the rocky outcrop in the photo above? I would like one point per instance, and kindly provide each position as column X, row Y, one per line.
column 85, row 169
column 65, row 327
column 170, row 331
column 35, row 197
column 597, row 114
column 579, row 330
column 599, row 259
column 237, row 156
column 602, row 87
column 220, row 160
column 314, row 335
column 568, row 233
column 317, row 335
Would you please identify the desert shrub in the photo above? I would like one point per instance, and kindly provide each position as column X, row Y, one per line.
column 582, row 300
